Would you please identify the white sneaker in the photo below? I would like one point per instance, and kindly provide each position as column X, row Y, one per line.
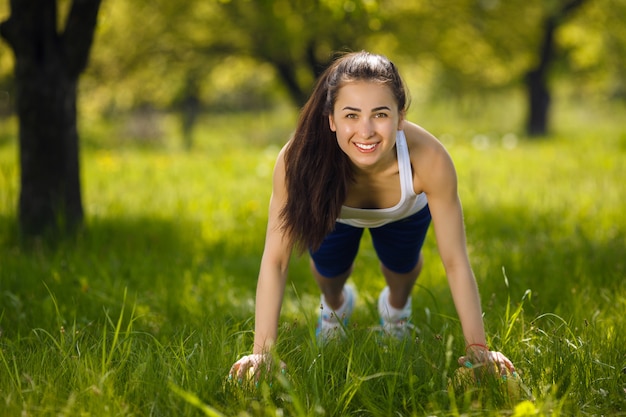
column 397, row 323
column 332, row 323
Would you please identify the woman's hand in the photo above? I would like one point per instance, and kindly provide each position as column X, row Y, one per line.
column 480, row 364
column 477, row 356
column 252, row 366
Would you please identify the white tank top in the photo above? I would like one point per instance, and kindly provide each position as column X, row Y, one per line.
column 409, row 204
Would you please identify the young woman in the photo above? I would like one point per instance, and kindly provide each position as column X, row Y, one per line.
column 354, row 162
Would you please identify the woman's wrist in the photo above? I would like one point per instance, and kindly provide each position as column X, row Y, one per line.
column 477, row 353
column 476, row 346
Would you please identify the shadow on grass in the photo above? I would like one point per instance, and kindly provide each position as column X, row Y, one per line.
column 545, row 252
column 171, row 275
column 175, row 277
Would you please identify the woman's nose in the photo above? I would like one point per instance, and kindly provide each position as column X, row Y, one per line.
column 366, row 128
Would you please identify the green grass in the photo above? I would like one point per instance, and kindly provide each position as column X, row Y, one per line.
column 144, row 312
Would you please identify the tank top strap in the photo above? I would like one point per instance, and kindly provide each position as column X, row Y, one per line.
column 404, row 165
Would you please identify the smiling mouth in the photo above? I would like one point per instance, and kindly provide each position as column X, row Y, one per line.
column 366, row 146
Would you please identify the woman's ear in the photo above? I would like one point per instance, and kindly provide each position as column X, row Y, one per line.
column 331, row 123
column 401, row 120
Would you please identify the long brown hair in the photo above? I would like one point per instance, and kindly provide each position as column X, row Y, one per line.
column 318, row 172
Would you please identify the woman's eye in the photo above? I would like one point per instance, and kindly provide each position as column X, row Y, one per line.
column 351, row 116
column 380, row 115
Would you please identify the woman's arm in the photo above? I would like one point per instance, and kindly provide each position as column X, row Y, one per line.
column 272, row 278
column 273, row 271
column 436, row 176
column 440, row 186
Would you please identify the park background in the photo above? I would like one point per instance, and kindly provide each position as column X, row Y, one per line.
column 182, row 109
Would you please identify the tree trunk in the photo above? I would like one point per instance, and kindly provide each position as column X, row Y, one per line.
column 537, row 87
column 47, row 67
column 50, row 187
column 537, row 78
column 287, row 73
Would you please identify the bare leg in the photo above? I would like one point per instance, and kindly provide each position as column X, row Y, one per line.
column 401, row 285
column 332, row 288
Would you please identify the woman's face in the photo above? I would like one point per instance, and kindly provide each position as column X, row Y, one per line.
column 366, row 118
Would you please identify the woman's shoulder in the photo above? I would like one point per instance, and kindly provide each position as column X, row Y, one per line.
column 430, row 160
column 420, row 142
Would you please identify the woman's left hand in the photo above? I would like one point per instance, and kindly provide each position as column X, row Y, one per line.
column 477, row 357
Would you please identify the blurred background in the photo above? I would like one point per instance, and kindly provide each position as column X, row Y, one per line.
column 194, row 58
column 157, row 72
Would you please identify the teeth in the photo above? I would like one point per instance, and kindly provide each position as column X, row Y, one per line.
column 365, row 147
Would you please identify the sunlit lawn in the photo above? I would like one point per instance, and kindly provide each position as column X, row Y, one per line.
column 145, row 311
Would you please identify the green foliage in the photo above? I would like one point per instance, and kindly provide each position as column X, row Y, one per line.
column 252, row 53
column 234, row 55
column 144, row 312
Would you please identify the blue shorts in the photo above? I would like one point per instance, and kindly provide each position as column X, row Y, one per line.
column 397, row 244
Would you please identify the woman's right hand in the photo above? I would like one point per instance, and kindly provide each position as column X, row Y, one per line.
column 251, row 366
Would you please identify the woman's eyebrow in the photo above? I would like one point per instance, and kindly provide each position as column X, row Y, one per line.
column 375, row 109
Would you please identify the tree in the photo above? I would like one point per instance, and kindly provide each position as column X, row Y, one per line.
column 536, row 77
column 48, row 63
column 492, row 44
column 168, row 66
column 222, row 54
column 298, row 37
